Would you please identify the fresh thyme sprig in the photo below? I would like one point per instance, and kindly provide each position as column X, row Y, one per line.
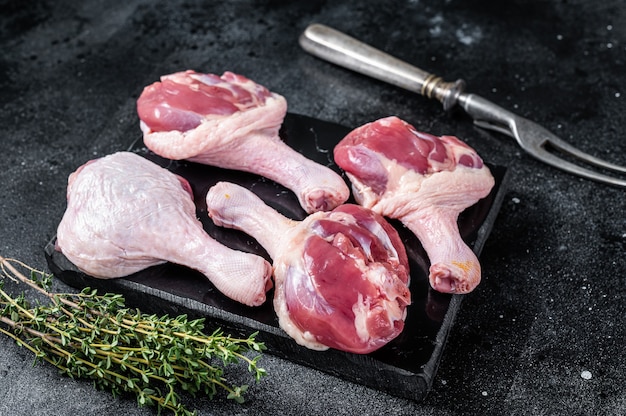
column 92, row 336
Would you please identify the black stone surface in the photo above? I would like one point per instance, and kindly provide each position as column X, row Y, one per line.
column 543, row 334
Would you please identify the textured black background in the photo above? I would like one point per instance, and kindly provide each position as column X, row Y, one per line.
column 552, row 301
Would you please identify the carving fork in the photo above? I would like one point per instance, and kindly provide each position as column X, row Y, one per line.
column 343, row 50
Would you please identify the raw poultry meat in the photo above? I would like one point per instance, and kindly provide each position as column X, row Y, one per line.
column 424, row 181
column 341, row 277
column 125, row 213
column 233, row 123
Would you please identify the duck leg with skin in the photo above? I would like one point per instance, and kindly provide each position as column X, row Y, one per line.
column 341, row 277
column 125, row 213
column 425, row 182
column 233, row 123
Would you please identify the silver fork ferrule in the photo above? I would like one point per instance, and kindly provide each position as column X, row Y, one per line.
column 447, row 93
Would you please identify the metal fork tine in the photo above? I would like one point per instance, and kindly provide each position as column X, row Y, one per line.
column 565, row 147
column 551, row 159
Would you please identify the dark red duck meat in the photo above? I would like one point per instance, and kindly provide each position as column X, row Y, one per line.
column 125, row 213
column 341, row 277
column 424, row 181
column 233, row 123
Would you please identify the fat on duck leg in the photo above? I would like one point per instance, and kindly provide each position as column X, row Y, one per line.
column 232, row 122
column 425, row 182
column 125, row 213
column 341, row 277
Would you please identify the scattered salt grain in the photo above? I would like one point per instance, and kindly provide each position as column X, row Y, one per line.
column 586, row 375
column 484, row 393
column 515, row 200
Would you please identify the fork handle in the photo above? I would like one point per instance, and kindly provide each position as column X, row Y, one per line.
column 348, row 52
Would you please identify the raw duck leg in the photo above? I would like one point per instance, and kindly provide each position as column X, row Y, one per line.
column 424, row 181
column 233, row 123
column 341, row 277
column 125, row 213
